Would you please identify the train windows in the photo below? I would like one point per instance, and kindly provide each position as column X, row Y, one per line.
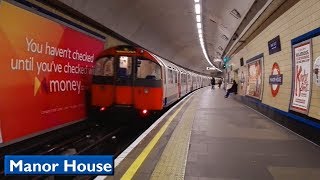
column 104, row 67
column 147, row 69
column 125, row 66
column 183, row 78
column 176, row 77
column 164, row 76
column 170, row 76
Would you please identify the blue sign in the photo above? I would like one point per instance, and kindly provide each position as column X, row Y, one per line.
column 275, row 79
column 274, row 45
column 226, row 59
column 58, row 165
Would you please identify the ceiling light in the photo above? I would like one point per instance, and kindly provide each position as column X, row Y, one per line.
column 197, row 7
column 198, row 18
column 225, row 37
column 200, row 32
column 199, row 25
column 235, row 14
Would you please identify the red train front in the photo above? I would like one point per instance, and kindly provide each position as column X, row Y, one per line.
column 127, row 77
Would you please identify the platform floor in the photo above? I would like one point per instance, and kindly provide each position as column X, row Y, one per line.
column 210, row 137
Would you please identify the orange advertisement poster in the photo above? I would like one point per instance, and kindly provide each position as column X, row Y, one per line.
column 45, row 71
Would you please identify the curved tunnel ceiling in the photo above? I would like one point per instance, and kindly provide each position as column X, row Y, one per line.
column 168, row 28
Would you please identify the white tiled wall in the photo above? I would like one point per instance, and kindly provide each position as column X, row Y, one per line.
column 301, row 18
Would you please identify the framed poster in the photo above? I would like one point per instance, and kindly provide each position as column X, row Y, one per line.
column 255, row 81
column 302, row 76
column 316, row 68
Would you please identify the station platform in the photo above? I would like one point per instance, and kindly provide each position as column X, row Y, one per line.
column 207, row 136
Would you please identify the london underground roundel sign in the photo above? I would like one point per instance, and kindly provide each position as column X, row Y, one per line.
column 275, row 79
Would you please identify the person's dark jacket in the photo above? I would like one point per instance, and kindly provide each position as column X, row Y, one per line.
column 234, row 87
column 213, row 81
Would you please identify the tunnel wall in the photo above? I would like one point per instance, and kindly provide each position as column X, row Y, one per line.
column 299, row 23
column 110, row 40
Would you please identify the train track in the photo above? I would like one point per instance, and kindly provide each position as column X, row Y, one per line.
column 96, row 137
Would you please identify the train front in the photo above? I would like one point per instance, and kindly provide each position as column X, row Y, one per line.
column 127, row 78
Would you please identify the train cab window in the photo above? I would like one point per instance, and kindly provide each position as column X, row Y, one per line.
column 125, row 66
column 147, row 69
column 104, row 67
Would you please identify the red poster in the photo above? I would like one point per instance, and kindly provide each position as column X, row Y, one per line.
column 45, row 71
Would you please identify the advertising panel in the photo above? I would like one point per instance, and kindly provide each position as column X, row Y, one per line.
column 302, row 76
column 242, row 81
column 316, row 68
column 254, row 85
column 45, row 70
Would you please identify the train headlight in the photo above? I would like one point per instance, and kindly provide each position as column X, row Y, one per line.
column 144, row 111
column 146, row 91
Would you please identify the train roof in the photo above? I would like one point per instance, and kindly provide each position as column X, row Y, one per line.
column 126, row 50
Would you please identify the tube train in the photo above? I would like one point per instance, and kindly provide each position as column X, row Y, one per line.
column 132, row 77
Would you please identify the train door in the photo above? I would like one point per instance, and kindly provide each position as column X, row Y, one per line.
column 124, row 81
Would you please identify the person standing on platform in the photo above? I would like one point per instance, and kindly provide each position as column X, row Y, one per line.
column 219, row 83
column 213, row 82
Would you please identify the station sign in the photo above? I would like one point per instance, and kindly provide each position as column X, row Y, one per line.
column 275, row 79
column 274, row 45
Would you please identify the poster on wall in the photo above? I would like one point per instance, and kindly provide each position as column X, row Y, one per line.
column 302, row 76
column 45, row 70
column 242, row 80
column 316, row 69
column 254, row 84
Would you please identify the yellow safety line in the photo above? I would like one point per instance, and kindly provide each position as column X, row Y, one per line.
column 140, row 159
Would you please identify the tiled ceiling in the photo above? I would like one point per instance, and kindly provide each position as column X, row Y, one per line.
column 168, row 27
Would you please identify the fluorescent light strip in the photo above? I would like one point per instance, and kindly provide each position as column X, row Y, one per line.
column 199, row 25
column 198, row 17
column 197, row 8
column 200, row 32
